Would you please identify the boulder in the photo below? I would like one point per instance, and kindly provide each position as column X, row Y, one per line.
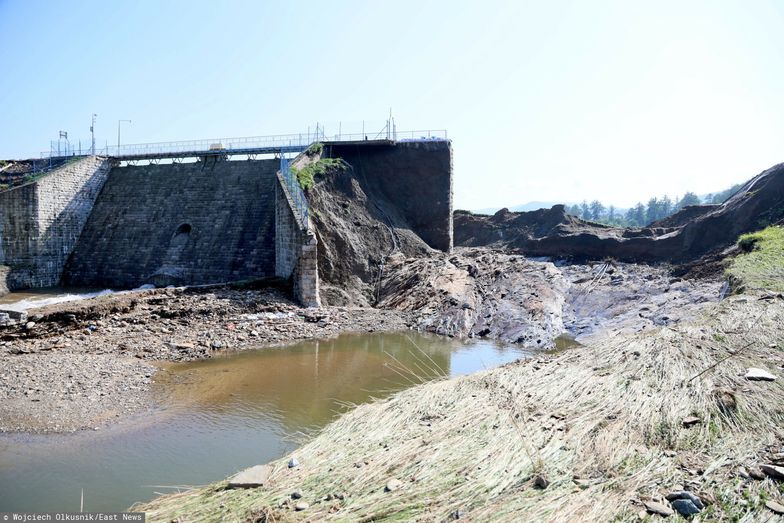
column 252, row 477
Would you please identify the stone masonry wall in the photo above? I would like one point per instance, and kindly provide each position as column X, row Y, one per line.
column 40, row 222
column 180, row 224
column 3, row 279
column 296, row 249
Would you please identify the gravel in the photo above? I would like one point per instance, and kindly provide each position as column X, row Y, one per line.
column 85, row 364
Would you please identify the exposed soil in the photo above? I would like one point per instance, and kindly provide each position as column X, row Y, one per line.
column 87, row 363
column 486, row 293
column 693, row 232
column 653, row 409
column 616, row 430
column 357, row 230
column 100, row 353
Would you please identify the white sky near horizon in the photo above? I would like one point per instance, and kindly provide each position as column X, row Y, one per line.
column 550, row 101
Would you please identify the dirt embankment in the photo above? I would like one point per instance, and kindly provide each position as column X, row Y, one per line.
column 689, row 234
column 475, row 292
column 617, row 430
column 358, row 228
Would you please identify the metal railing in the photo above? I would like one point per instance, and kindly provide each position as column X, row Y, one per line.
column 242, row 145
column 301, row 207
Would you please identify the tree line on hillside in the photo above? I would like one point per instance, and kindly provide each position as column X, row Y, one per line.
column 641, row 215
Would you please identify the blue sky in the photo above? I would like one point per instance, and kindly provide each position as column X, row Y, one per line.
column 552, row 100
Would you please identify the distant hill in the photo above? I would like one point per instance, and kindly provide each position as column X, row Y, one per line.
column 530, row 206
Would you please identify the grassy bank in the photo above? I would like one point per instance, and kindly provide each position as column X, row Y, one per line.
column 601, row 425
column 761, row 265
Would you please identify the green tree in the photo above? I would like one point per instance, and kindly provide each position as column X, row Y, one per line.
column 574, row 210
column 597, row 209
column 585, row 211
column 652, row 211
column 722, row 196
column 611, row 214
column 639, row 214
column 631, row 219
column 665, row 207
column 688, row 199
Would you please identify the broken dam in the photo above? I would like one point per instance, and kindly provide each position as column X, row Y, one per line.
column 99, row 222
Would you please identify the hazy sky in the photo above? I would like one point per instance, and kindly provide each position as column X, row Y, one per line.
column 546, row 100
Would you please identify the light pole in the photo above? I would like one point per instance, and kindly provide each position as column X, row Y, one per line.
column 92, row 133
column 118, row 134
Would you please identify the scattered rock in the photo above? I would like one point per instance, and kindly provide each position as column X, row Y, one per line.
column 658, row 508
column 725, row 398
column 393, row 485
column 29, row 325
column 302, row 505
column 541, row 482
column 293, row 462
column 251, row 477
column 297, row 494
column 685, row 507
column 773, row 471
column 755, row 374
column 685, row 494
column 690, row 420
column 757, row 474
column 778, row 508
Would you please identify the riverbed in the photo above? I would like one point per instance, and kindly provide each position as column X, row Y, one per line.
column 220, row 415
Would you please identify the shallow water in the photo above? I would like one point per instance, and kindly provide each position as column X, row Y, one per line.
column 225, row 414
column 28, row 299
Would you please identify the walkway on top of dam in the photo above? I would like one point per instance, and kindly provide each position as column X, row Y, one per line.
column 250, row 146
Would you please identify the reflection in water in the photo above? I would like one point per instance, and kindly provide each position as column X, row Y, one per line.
column 563, row 342
column 225, row 414
column 303, row 382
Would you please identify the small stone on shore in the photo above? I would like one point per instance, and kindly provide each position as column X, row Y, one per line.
column 251, row 477
column 684, row 494
column 302, row 505
column 690, row 420
column 293, row 462
column 393, row 485
column 541, row 482
column 755, row 374
column 297, row 494
column 757, row 474
column 773, row 471
column 778, row 508
column 685, row 507
column 658, row 508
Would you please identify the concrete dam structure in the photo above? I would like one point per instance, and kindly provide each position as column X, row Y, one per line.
column 99, row 222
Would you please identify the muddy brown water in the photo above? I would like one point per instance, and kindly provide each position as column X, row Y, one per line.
column 225, row 414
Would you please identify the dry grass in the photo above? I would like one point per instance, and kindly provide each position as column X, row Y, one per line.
column 603, row 423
